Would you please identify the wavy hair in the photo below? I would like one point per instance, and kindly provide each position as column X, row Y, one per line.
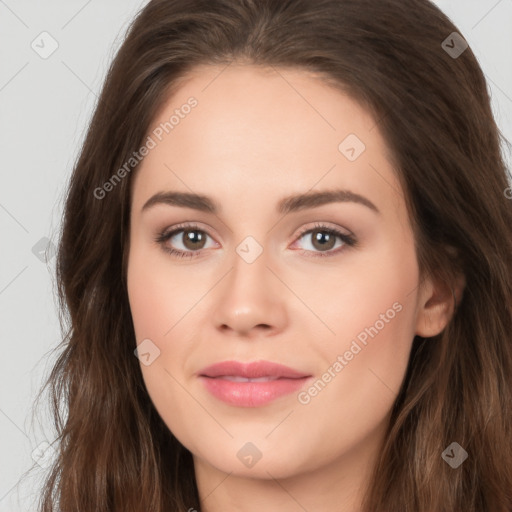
column 115, row 454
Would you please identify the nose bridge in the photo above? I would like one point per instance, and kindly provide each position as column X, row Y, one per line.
column 250, row 262
column 249, row 296
column 249, row 277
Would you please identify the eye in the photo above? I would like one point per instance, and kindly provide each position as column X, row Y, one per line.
column 324, row 240
column 193, row 238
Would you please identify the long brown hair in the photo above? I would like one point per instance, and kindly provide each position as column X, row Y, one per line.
column 433, row 109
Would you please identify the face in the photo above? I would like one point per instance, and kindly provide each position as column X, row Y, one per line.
column 326, row 285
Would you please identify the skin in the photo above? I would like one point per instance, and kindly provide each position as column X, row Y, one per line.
column 257, row 136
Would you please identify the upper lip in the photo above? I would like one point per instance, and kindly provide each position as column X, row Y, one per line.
column 252, row 370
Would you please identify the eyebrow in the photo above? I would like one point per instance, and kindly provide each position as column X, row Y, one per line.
column 286, row 205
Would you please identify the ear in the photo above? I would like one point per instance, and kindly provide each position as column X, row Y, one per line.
column 436, row 305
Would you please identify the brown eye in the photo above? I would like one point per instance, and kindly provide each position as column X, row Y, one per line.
column 183, row 241
column 323, row 240
column 193, row 239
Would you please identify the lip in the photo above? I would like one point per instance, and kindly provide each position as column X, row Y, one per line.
column 229, row 382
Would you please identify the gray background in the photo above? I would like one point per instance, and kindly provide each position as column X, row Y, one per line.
column 45, row 104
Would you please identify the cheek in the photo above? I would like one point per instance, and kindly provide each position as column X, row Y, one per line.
column 352, row 396
column 374, row 322
column 159, row 303
column 371, row 300
column 160, row 295
column 375, row 359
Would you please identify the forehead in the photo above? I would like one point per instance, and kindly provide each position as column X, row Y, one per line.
column 263, row 131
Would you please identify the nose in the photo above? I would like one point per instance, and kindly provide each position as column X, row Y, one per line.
column 250, row 300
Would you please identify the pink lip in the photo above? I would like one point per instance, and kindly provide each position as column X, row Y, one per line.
column 282, row 380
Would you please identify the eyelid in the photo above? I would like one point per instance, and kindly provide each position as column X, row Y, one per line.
column 349, row 240
column 326, row 226
column 167, row 233
column 184, row 226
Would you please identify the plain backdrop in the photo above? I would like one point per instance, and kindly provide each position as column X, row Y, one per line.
column 45, row 104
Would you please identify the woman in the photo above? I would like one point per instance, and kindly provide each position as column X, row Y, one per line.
column 295, row 214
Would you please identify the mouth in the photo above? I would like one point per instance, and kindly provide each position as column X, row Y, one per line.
column 237, row 378
column 254, row 370
column 251, row 384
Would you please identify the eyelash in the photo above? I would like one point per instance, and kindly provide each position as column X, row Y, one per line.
column 162, row 237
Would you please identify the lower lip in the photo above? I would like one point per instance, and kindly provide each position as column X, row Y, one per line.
column 251, row 394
